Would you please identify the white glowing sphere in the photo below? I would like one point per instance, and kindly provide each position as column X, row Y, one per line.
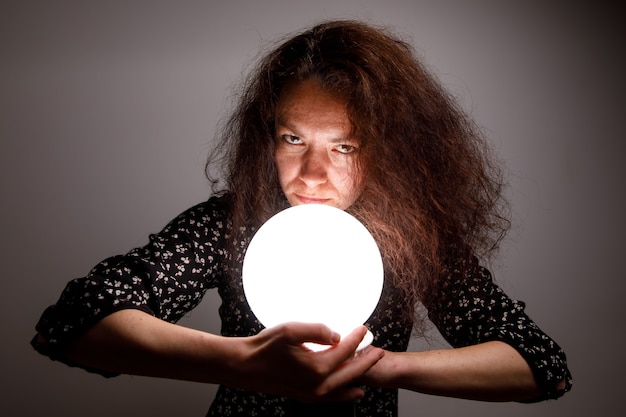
column 314, row 264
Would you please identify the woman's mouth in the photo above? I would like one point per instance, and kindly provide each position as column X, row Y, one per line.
column 311, row 200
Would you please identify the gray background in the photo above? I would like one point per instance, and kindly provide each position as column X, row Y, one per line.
column 108, row 109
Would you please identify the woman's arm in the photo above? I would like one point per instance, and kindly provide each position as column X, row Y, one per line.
column 500, row 353
column 491, row 371
column 274, row 361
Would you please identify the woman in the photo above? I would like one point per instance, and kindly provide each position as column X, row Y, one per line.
column 344, row 115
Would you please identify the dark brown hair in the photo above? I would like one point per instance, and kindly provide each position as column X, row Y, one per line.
column 431, row 192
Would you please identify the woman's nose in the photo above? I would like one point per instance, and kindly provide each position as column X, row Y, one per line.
column 314, row 168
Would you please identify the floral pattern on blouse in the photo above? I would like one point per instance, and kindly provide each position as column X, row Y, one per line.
column 169, row 276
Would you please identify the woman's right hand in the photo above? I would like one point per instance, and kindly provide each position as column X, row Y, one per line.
column 277, row 363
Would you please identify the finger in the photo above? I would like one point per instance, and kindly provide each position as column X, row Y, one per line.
column 356, row 367
column 346, row 348
column 352, row 370
column 298, row 333
column 351, row 341
column 340, row 384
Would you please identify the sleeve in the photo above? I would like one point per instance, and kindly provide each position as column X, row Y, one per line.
column 476, row 310
column 165, row 278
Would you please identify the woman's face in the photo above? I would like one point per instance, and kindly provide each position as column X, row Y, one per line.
column 315, row 154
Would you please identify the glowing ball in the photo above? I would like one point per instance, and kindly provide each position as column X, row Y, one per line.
column 315, row 264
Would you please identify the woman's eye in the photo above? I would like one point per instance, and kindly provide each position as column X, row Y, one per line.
column 345, row 149
column 292, row 139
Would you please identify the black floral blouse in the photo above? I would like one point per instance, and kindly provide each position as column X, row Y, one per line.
column 169, row 276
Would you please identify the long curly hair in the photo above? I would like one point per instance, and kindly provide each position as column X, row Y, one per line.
column 432, row 192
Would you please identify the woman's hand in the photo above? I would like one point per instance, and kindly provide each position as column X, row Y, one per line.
column 277, row 363
column 274, row 361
